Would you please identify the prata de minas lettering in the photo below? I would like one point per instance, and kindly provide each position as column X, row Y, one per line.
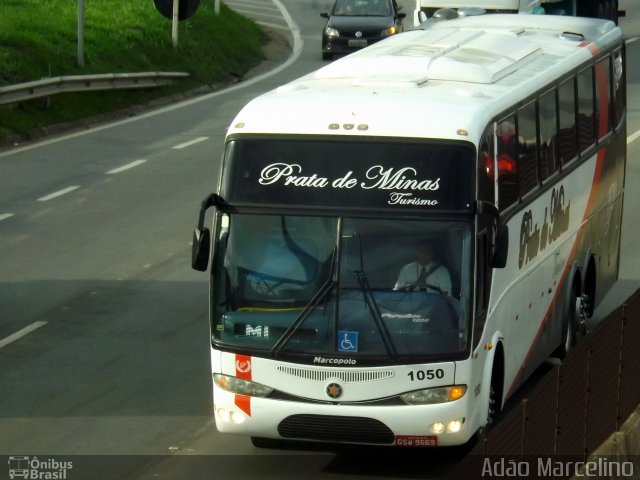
column 379, row 177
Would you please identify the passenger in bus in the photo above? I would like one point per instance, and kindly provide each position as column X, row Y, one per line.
column 425, row 273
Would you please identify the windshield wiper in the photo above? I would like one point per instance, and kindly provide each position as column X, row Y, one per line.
column 375, row 311
column 326, row 287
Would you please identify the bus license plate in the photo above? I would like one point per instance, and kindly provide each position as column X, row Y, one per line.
column 416, row 440
column 357, row 42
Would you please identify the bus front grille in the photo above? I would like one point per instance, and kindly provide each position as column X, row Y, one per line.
column 346, row 375
column 331, row 428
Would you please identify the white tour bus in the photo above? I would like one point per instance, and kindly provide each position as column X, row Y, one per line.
column 438, row 9
column 498, row 142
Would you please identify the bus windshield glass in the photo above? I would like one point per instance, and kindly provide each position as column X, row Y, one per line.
column 323, row 285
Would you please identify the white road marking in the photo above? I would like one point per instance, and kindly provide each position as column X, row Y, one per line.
column 135, row 163
column 633, row 137
column 4, row 216
column 53, row 195
column 190, row 142
column 21, row 333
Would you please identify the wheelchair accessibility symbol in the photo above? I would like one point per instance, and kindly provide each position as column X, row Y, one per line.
column 347, row 341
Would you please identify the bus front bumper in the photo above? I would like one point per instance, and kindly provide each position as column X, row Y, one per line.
column 444, row 424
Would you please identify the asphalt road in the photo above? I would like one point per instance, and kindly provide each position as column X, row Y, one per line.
column 104, row 352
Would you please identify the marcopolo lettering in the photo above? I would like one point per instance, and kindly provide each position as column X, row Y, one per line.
column 334, row 361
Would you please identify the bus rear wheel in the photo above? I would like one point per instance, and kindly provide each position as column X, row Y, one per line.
column 575, row 323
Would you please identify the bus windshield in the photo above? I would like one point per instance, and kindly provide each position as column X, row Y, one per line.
column 342, row 286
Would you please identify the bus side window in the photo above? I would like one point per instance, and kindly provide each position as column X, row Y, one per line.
column 619, row 100
column 507, row 166
column 547, row 119
column 527, row 149
column 567, row 141
column 586, row 112
column 604, row 107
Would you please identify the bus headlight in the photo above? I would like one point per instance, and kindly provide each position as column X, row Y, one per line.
column 242, row 387
column 437, row 427
column 454, row 426
column 434, row 395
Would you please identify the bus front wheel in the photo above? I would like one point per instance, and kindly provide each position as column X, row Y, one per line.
column 494, row 406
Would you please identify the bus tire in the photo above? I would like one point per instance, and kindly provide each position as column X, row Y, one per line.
column 573, row 324
column 494, row 406
column 569, row 329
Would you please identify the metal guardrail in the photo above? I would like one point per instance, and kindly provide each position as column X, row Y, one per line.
column 83, row 83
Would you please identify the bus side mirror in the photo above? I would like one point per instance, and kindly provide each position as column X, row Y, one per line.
column 500, row 235
column 200, row 249
column 501, row 247
column 201, row 246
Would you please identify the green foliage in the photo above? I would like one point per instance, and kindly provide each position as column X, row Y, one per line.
column 38, row 39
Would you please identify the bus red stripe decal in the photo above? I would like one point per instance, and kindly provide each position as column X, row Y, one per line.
column 243, row 402
column 243, row 371
column 587, row 212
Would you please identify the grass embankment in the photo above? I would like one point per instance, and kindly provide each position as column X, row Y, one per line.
column 38, row 39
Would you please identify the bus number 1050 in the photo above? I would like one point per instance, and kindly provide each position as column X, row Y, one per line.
column 425, row 374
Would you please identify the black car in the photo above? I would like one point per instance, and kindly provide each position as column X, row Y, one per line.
column 355, row 24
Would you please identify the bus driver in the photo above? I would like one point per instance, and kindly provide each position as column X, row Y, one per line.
column 424, row 273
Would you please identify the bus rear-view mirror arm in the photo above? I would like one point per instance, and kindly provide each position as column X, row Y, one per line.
column 500, row 235
column 201, row 245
